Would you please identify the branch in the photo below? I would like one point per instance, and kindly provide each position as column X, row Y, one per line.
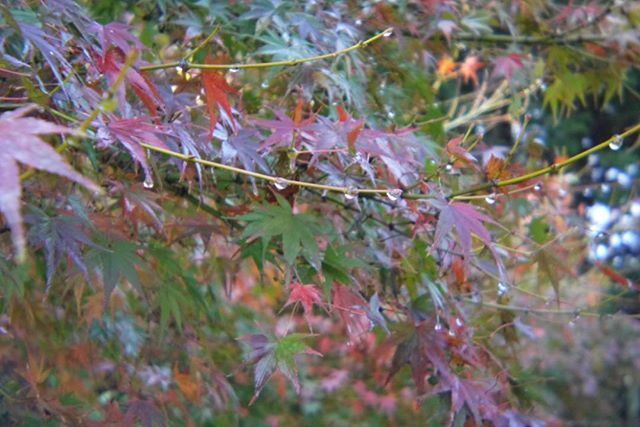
column 184, row 64
column 552, row 168
column 544, row 40
column 279, row 181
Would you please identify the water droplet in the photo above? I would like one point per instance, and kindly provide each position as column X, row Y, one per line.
column 452, row 333
column 391, row 114
column 351, row 193
column 438, row 326
column 562, row 193
column 490, row 199
column 174, row 88
column 449, row 167
column 388, row 32
column 234, row 70
column 394, row 194
column 617, row 142
column 324, row 195
column 459, row 322
column 537, row 188
column 281, row 183
column 503, row 288
column 358, row 22
column 148, row 182
column 605, row 188
column 264, row 84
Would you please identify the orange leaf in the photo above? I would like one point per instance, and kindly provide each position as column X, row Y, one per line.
column 446, row 66
column 469, row 69
column 186, row 384
column 216, row 90
column 496, row 169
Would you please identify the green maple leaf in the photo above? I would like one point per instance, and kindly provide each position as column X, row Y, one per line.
column 117, row 262
column 296, row 231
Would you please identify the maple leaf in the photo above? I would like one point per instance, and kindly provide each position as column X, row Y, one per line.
column 475, row 395
column 118, row 261
column 50, row 48
column 307, row 295
column 58, row 235
column 132, row 133
column 217, row 91
column 20, row 142
column 447, row 26
column 298, row 231
column 115, row 34
column 469, row 69
column 274, row 355
column 467, row 221
column 496, row 169
column 286, row 130
column 351, row 308
column 505, row 66
column 446, row 66
column 454, row 149
column 111, row 64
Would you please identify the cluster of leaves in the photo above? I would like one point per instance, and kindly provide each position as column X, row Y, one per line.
column 337, row 220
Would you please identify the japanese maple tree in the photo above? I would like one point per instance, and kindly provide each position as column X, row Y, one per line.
column 315, row 213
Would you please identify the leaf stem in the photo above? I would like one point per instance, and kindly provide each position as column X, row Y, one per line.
column 360, row 45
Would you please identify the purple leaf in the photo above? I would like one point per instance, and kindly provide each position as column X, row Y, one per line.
column 20, row 142
column 132, row 133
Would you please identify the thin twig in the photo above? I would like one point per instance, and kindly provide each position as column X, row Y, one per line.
column 359, row 45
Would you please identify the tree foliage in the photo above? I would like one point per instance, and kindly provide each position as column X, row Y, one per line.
column 290, row 202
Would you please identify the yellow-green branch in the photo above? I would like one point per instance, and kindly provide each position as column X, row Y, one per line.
column 552, row 168
column 360, row 45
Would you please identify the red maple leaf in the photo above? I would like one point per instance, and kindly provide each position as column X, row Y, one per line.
column 454, row 148
column 307, row 295
column 352, row 309
column 216, row 90
column 111, row 65
column 132, row 133
column 20, row 142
